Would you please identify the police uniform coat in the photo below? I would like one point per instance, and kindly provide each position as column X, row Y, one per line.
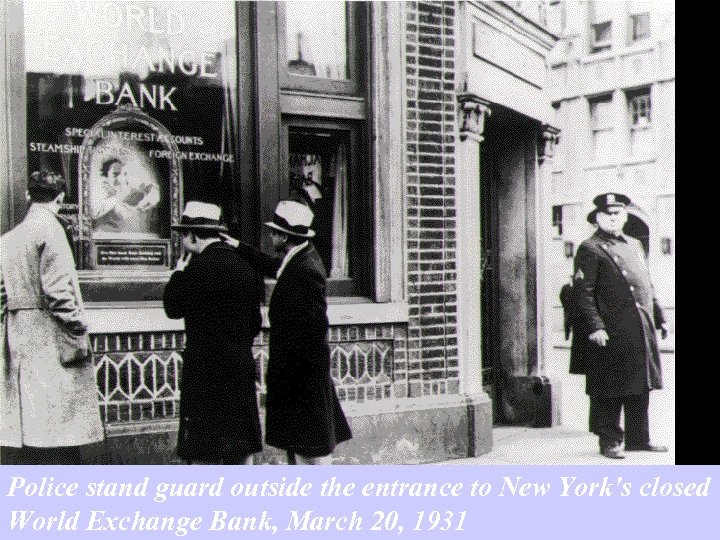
column 44, row 403
column 218, row 294
column 303, row 412
column 614, row 292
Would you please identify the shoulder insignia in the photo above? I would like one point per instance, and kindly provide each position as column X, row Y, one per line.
column 579, row 276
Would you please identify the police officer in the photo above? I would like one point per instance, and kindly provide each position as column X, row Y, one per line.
column 614, row 341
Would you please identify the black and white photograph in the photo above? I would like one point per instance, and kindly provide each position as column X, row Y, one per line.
column 338, row 233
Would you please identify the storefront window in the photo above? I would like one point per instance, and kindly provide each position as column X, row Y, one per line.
column 316, row 39
column 319, row 45
column 319, row 168
column 134, row 103
column 313, row 131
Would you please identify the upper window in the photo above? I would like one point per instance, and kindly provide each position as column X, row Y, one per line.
column 602, row 36
column 321, row 117
column 318, row 47
column 639, row 108
column 601, row 17
column 316, row 38
column 640, row 25
column 557, row 219
column 601, row 112
column 602, row 125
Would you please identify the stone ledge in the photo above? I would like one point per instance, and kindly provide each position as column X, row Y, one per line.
column 411, row 431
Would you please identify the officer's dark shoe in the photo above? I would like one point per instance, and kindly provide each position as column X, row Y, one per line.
column 613, row 452
column 647, row 448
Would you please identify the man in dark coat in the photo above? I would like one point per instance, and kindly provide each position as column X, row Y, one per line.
column 303, row 412
column 614, row 342
column 218, row 293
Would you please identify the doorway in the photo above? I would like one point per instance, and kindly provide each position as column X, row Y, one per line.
column 508, row 298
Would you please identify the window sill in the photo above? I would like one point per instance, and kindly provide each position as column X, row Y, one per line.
column 150, row 316
column 599, row 56
column 622, row 162
column 639, row 46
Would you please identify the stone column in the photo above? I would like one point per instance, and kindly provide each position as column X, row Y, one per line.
column 548, row 402
column 547, row 140
column 13, row 153
column 472, row 111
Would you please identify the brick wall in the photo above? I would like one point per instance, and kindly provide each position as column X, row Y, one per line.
column 430, row 173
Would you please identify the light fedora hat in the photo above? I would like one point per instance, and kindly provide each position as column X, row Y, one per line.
column 200, row 215
column 294, row 218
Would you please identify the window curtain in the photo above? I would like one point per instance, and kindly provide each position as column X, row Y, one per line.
column 339, row 258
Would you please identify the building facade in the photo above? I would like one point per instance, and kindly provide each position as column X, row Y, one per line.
column 613, row 85
column 429, row 130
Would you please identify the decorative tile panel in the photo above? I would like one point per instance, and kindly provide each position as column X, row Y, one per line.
column 138, row 375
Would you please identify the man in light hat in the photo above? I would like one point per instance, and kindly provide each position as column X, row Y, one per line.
column 303, row 413
column 615, row 319
column 218, row 293
column 48, row 394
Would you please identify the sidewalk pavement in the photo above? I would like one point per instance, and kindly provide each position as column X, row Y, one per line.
column 555, row 446
column 570, row 443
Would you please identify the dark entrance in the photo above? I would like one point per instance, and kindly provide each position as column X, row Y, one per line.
column 508, row 288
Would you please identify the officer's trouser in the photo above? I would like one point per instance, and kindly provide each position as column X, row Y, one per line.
column 605, row 419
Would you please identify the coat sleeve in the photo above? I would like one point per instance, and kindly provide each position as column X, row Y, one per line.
column 585, row 279
column 267, row 265
column 310, row 310
column 175, row 295
column 658, row 315
column 567, row 300
column 57, row 269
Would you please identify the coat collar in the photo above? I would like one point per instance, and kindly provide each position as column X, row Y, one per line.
column 41, row 209
column 290, row 255
column 607, row 237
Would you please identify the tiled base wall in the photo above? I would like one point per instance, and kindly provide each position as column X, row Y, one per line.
column 138, row 374
column 138, row 379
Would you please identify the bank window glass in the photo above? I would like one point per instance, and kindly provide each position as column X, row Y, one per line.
column 320, row 44
column 318, row 174
column 316, row 39
column 324, row 175
column 134, row 103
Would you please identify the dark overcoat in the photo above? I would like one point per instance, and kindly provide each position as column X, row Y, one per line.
column 613, row 292
column 303, row 412
column 219, row 295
